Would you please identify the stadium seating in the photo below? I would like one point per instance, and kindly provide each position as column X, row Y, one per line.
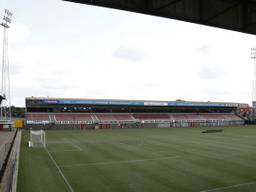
column 152, row 117
column 174, row 119
column 82, row 117
column 64, row 117
column 37, row 117
column 123, row 117
column 73, row 117
column 216, row 116
column 102, row 117
column 114, row 117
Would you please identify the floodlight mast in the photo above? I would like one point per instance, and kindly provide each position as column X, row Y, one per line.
column 253, row 57
column 5, row 100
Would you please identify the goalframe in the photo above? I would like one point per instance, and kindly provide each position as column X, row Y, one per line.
column 37, row 138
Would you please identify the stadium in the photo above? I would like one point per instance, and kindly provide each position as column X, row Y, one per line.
column 136, row 145
column 59, row 113
column 125, row 145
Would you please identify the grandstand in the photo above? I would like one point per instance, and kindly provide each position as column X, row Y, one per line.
column 54, row 113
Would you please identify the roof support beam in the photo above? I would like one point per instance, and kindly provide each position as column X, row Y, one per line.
column 166, row 5
column 222, row 12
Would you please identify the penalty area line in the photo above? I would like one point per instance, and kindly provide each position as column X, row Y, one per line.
column 60, row 151
column 60, row 172
column 229, row 187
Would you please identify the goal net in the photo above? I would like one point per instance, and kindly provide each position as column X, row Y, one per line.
column 37, row 138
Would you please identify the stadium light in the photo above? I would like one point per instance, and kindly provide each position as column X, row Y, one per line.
column 253, row 53
column 5, row 96
column 6, row 19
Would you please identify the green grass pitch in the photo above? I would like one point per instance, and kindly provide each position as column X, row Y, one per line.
column 141, row 160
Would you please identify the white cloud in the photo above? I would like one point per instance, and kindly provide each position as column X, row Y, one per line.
column 204, row 49
column 129, row 54
column 112, row 54
column 18, row 33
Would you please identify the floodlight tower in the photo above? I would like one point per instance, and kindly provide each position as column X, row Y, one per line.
column 253, row 56
column 5, row 100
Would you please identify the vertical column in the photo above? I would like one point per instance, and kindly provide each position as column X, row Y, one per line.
column 5, row 103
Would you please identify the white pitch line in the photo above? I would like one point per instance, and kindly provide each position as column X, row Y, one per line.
column 59, row 151
column 73, row 144
column 59, row 170
column 118, row 162
column 229, row 187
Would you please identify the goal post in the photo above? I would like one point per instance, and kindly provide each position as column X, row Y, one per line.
column 37, row 138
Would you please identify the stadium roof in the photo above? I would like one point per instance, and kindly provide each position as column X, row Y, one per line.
column 77, row 101
column 236, row 15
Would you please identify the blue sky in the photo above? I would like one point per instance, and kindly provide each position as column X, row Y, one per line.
column 62, row 49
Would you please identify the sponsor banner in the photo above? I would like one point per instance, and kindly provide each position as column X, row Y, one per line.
column 197, row 104
column 37, row 122
column 51, row 101
column 152, row 103
column 93, row 102
column 163, row 125
column 137, row 103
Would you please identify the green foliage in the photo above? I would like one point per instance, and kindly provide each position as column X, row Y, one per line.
column 18, row 112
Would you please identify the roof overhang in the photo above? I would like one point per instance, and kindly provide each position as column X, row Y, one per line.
column 236, row 15
column 77, row 101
